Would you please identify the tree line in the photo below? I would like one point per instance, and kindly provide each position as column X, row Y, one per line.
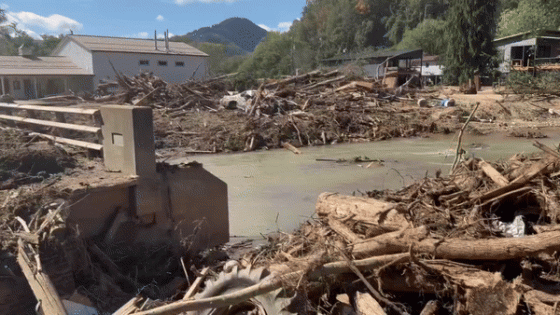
column 460, row 31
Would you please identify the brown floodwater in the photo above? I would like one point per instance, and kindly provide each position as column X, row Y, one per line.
column 276, row 190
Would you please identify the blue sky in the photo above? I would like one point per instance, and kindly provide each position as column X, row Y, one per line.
column 139, row 18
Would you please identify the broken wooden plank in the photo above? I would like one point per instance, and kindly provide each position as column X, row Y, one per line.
column 520, row 181
column 494, row 175
column 546, row 149
column 196, row 284
column 55, row 109
column 343, row 230
column 54, row 124
column 130, row 307
column 366, row 304
column 41, row 285
column 78, row 143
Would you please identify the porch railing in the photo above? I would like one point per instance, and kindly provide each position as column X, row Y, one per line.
column 15, row 114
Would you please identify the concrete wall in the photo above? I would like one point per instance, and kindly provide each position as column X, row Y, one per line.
column 80, row 56
column 194, row 206
column 197, row 196
column 129, row 64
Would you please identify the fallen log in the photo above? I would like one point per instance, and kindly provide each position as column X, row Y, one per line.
column 459, row 249
column 389, row 243
column 367, row 210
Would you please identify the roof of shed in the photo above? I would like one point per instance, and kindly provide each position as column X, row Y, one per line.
column 380, row 54
column 130, row 45
column 548, row 34
column 19, row 65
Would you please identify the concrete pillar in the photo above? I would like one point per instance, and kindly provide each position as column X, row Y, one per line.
column 65, row 84
column 3, row 87
column 36, row 91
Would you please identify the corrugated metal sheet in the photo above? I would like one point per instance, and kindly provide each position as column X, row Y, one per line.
column 134, row 45
column 18, row 65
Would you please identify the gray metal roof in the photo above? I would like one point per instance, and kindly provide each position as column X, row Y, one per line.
column 380, row 54
column 18, row 65
column 545, row 34
column 130, row 45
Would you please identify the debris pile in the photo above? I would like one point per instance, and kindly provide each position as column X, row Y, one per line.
column 311, row 109
column 483, row 240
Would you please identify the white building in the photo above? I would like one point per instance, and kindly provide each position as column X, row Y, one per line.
column 172, row 61
column 27, row 77
column 80, row 63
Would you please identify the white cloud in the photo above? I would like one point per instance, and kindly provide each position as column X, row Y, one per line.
column 183, row 2
column 268, row 29
column 282, row 27
column 160, row 18
column 34, row 24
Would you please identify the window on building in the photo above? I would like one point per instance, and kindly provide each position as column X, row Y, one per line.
column 179, row 64
column 16, row 85
column 144, row 62
column 162, row 63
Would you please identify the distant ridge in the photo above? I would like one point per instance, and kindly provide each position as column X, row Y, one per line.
column 238, row 31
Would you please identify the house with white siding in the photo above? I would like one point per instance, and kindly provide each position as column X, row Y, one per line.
column 172, row 61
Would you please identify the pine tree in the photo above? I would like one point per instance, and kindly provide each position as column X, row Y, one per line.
column 471, row 29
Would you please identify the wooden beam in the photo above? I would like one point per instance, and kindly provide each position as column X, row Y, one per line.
column 78, row 143
column 55, row 109
column 41, row 285
column 51, row 124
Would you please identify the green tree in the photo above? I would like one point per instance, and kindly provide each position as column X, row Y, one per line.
column 428, row 35
column 470, row 31
column 529, row 15
column 272, row 57
column 223, row 59
column 408, row 14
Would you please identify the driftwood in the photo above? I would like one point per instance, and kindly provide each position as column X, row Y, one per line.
column 493, row 174
column 459, row 150
column 130, row 307
column 289, row 146
column 366, row 304
column 457, row 249
column 266, row 285
column 196, row 284
column 367, row 210
column 520, row 181
column 41, row 285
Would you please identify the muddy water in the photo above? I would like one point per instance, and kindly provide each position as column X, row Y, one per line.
column 277, row 190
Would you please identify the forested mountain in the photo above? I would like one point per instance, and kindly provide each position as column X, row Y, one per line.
column 237, row 31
